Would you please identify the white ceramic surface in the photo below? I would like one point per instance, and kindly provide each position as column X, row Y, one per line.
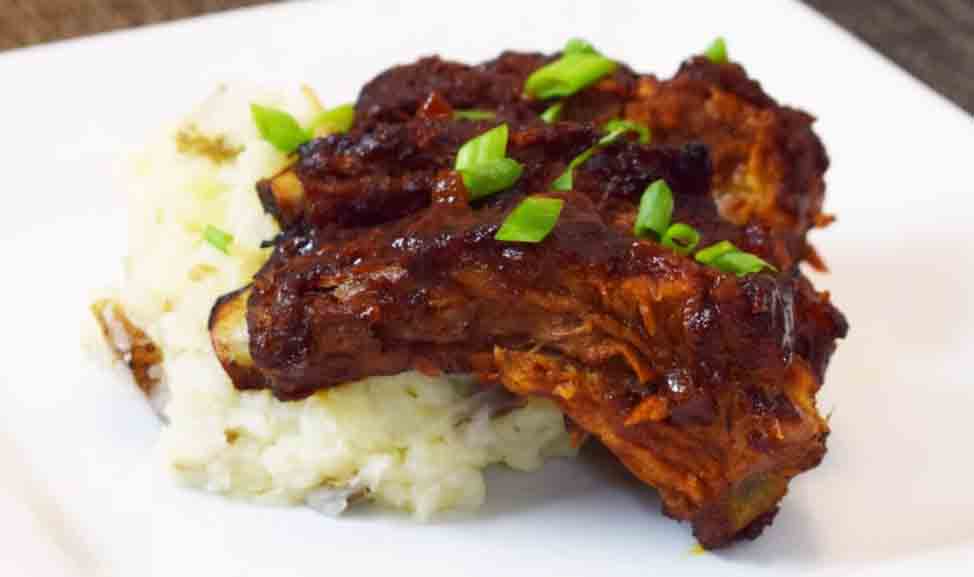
column 81, row 493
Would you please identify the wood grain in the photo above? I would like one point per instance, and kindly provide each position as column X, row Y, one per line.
column 933, row 39
column 26, row 22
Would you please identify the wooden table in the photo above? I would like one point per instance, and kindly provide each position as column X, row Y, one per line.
column 933, row 39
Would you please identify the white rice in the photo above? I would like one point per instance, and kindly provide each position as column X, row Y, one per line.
column 409, row 441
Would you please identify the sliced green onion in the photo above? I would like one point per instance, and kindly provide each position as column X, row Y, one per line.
column 578, row 45
column 552, row 113
column 565, row 181
column 474, row 114
column 717, row 51
column 709, row 254
column 725, row 257
column 681, row 238
column 618, row 124
column 655, row 210
column 611, row 136
column 482, row 164
column 530, row 221
column 486, row 178
column 491, row 145
column 219, row 239
column 741, row 263
column 279, row 128
column 567, row 75
column 334, row 120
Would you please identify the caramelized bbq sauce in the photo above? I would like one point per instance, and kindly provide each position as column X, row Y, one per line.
column 385, row 266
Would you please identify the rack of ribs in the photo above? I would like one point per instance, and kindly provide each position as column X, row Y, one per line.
column 701, row 382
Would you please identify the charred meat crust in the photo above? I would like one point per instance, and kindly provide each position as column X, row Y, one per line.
column 366, row 179
column 769, row 163
column 396, row 94
column 651, row 352
column 410, row 261
column 360, row 180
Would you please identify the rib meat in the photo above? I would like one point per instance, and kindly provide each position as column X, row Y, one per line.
column 701, row 382
column 768, row 162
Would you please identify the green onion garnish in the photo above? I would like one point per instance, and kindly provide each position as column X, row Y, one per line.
column 491, row 145
column 611, row 136
column 578, row 45
column 482, row 163
column 279, row 128
column 577, row 68
column 741, row 263
column 681, row 238
column 552, row 113
column 654, row 216
column 530, row 221
column 474, row 114
column 486, row 178
column 334, row 120
column 717, row 51
column 219, row 239
column 655, row 210
column 725, row 257
column 712, row 252
column 617, row 125
column 565, row 181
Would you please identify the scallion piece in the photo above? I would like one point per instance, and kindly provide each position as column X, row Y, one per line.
column 482, row 163
column 725, row 257
column 681, row 238
column 578, row 45
column 717, row 51
column 617, row 125
column 530, row 221
column 552, row 113
column 474, row 114
column 279, row 128
column 565, row 181
column 709, row 254
column 486, row 178
column 219, row 239
column 655, row 210
column 491, row 145
column 741, row 263
column 578, row 67
column 611, row 136
column 336, row 120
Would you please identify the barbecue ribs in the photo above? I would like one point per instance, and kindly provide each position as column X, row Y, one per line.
column 702, row 383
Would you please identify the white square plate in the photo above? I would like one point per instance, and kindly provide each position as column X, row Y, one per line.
column 81, row 490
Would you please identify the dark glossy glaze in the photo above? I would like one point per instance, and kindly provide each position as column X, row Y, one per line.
column 768, row 163
column 722, row 325
column 702, row 383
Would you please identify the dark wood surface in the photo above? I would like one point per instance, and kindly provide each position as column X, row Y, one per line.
column 26, row 22
column 933, row 39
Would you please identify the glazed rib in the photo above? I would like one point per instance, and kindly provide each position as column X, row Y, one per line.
column 768, row 162
column 702, row 383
